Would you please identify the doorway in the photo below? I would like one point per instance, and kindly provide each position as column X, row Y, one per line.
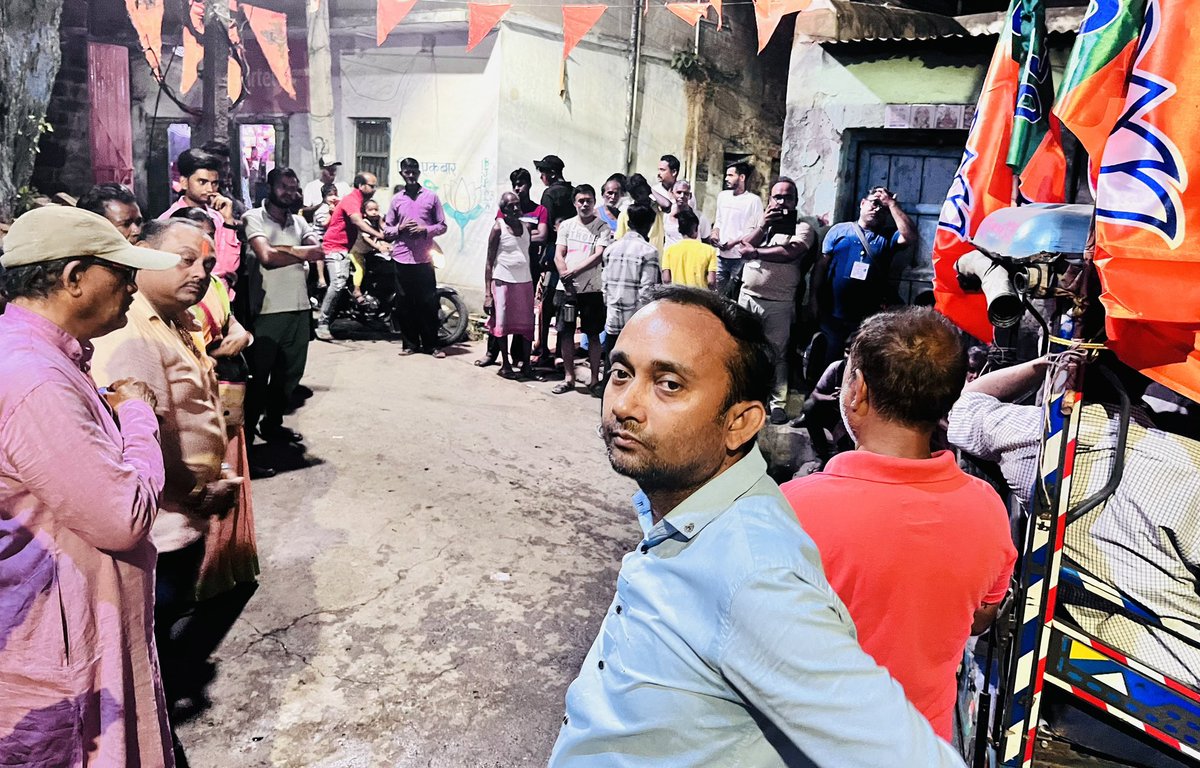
column 261, row 145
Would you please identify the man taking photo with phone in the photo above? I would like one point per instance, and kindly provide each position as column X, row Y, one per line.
column 775, row 256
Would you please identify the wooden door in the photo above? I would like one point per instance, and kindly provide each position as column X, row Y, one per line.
column 110, row 123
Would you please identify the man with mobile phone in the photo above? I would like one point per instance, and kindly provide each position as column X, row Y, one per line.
column 775, row 256
column 851, row 281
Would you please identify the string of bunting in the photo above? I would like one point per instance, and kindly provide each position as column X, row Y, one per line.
column 270, row 28
column 578, row 19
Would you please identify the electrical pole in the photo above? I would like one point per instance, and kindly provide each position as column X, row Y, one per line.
column 214, row 122
column 320, row 81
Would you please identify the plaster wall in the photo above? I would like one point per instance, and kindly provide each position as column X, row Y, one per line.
column 831, row 91
column 443, row 107
column 584, row 123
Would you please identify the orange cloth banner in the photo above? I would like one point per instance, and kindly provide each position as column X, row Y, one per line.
column 193, row 51
column 147, row 16
column 1148, row 260
column 482, row 19
column 578, row 20
column 982, row 185
column 689, row 12
column 768, row 14
column 270, row 27
column 389, row 13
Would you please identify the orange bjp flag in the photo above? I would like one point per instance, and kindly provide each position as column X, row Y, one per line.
column 389, row 13
column 578, row 20
column 147, row 16
column 689, row 12
column 482, row 18
column 270, row 28
column 193, row 51
column 983, row 184
column 768, row 14
column 1148, row 260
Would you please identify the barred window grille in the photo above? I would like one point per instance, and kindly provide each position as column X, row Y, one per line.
column 372, row 144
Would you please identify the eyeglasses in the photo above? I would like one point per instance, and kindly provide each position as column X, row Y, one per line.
column 128, row 275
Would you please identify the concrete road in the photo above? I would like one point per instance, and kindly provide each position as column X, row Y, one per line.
column 431, row 584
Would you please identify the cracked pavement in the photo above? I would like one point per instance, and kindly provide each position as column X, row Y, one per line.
column 385, row 631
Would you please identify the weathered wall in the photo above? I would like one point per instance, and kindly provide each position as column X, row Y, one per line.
column 442, row 103
column 742, row 105
column 834, row 89
column 585, row 125
column 64, row 163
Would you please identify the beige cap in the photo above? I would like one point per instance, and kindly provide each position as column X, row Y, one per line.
column 60, row 232
column 328, row 160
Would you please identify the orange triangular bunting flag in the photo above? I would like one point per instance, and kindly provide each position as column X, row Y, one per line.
column 481, row 19
column 689, row 12
column 389, row 13
column 768, row 14
column 193, row 54
column 270, row 27
column 147, row 16
column 578, row 20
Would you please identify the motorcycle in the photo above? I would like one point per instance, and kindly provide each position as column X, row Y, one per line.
column 373, row 312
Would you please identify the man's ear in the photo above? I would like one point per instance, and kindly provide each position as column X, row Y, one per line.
column 72, row 274
column 859, row 395
column 742, row 422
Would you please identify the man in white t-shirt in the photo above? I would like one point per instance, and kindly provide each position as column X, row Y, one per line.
column 579, row 250
column 738, row 211
column 683, row 200
column 312, row 190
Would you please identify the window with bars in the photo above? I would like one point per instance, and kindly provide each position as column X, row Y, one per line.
column 372, row 145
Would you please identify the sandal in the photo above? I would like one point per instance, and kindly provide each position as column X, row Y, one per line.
column 484, row 362
column 437, row 354
column 563, row 387
column 507, row 373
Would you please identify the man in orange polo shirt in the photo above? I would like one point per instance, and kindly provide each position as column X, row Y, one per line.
column 918, row 551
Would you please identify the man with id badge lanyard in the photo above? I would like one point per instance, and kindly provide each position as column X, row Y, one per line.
column 850, row 282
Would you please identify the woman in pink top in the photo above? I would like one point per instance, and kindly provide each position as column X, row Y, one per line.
column 80, row 478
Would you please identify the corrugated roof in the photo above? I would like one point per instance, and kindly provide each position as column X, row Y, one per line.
column 845, row 21
column 1058, row 21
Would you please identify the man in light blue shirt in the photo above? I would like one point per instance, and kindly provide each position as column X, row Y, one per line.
column 724, row 645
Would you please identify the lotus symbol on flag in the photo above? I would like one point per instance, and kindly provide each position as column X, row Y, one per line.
column 1100, row 14
column 958, row 200
column 1143, row 168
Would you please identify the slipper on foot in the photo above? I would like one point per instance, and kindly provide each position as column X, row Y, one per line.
column 563, row 387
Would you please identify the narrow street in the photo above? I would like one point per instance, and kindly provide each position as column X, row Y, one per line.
column 431, row 584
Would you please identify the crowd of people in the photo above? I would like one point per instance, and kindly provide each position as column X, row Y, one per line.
column 145, row 366
column 141, row 361
column 589, row 263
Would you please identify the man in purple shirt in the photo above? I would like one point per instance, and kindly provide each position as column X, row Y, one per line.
column 80, row 478
column 413, row 219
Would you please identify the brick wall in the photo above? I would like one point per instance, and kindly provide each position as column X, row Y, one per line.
column 65, row 160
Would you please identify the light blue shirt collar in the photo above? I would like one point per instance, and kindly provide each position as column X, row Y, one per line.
column 703, row 506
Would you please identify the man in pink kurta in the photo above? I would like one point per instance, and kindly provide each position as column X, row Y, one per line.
column 200, row 182
column 80, row 476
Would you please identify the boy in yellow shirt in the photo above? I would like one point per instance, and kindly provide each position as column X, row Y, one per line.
column 690, row 261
